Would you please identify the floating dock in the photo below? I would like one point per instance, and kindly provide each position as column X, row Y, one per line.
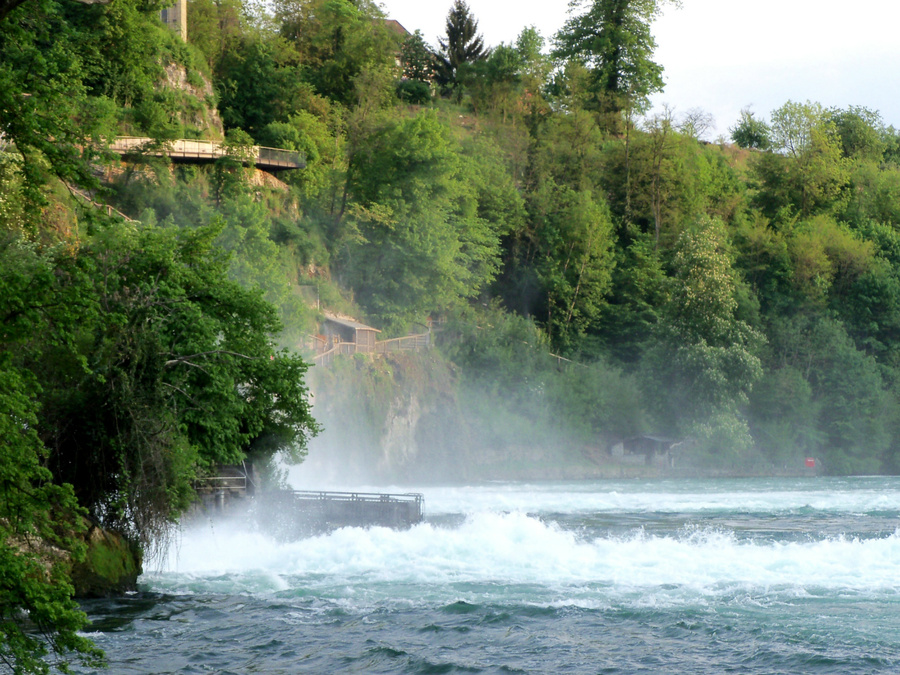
column 294, row 514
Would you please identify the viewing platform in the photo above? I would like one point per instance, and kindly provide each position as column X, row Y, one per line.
column 345, row 336
column 294, row 514
column 188, row 151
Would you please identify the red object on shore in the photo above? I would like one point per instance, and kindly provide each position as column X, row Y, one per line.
column 810, row 462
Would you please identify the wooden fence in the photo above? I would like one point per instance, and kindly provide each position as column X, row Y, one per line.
column 97, row 205
column 327, row 357
column 407, row 343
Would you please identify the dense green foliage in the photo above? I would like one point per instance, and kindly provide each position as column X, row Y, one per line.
column 462, row 47
column 142, row 365
column 701, row 274
column 131, row 360
column 750, row 132
column 157, row 367
column 37, row 518
column 601, row 274
column 613, row 38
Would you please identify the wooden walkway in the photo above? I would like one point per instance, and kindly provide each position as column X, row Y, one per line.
column 407, row 343
column 189, row 151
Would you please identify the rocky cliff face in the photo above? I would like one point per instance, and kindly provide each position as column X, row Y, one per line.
column 399, row 448
column 198, row 105
column 402, row 419
column 390, row 419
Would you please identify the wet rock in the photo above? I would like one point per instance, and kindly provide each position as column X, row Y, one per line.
column 110, row 567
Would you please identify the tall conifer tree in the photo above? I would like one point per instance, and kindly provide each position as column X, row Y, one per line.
column 463, row 45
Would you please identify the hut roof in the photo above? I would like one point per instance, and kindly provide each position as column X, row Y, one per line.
column 656, row 438
column 349, row 323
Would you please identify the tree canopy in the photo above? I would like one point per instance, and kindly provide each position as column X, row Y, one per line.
column 155, row 366
column 461, row 45
column 613, row 39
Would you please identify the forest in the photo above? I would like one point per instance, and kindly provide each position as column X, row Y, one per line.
column 741, row 293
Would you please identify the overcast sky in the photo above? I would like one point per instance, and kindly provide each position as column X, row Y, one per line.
column 723, row 55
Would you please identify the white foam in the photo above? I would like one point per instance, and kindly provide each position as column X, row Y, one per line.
column 669, row 497
column 830, row 495
column 497, row 551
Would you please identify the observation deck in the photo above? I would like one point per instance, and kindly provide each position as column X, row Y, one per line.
column 188, row 151
column 294, row 514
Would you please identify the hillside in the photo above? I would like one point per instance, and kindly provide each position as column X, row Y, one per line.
column 604, row 280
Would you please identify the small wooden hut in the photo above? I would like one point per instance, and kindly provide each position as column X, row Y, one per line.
column 345, row 331
column 650, row 448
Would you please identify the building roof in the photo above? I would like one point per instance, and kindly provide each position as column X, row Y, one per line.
column 657, row 439
column 396, row 27
column 349, row 323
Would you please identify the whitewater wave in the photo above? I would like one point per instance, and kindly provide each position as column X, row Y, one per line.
column 776, row 496
column 599, row 498
column 516, row 554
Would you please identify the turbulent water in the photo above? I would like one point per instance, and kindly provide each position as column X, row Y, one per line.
column 705, row 576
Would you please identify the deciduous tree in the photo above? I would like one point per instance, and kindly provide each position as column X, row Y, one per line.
column 418, row 59
column 706, row 359
column 574, row 260
column 337, row 40
column 155, row 367
column 420, row 244
column 750, row 132
column 39, row 620
column 808, row 172
column 613, row 38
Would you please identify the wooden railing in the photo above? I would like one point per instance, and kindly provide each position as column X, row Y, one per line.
column 77, row 192
column 325, row 358
column 407, row 343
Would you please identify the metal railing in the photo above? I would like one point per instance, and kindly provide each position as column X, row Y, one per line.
column 361, row 508
column 287, row 159
column 291, row 515
column 379, row 497
column 206, row 151
column 222, row 482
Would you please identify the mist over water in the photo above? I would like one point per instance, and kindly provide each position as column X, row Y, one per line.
column 619, row 576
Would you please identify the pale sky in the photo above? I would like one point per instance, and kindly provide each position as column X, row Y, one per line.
column 723, row 55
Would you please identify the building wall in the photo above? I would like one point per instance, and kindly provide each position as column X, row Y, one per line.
column 365, row 340
column 343, row 333
column 175, row 17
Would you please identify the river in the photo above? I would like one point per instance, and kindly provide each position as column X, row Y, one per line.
column 689, row 576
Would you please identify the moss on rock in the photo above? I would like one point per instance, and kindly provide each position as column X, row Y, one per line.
column 110, row 567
